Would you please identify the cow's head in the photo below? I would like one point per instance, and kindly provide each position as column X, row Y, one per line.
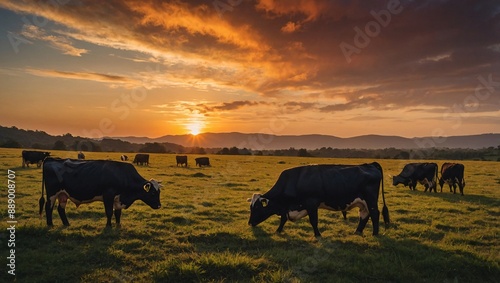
column 396, row 180
column 149, row 193
column 260, row 209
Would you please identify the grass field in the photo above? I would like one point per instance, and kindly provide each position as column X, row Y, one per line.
column 201, row 233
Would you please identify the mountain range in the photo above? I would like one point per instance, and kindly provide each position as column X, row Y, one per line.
column 40, row 139
column 272, row 142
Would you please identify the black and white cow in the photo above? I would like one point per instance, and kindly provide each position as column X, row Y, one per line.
column 181, row 160
column 141, row 159
column 115, row 183
column 423, row 173
column 202, row 161
column 33, row 157
column 300, row 191
column 453, row 175
column 124, row 157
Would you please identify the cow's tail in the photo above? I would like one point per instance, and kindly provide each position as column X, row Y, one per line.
column 437, row 179
column 385, row 210
column 41, row 201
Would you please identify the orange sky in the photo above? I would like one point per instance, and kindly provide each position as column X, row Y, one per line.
column 345, row 68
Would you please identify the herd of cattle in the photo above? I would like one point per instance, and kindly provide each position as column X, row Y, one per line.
column 298, row 192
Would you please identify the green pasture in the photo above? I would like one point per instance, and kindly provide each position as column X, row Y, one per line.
column 201, row 233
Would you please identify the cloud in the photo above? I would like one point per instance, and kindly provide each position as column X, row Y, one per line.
column 287, row 50
column 290, row 27
column 103, row 78
column 57, row 42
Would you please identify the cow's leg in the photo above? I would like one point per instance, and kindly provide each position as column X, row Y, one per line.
column 283, row 220
column 361, row 225
column 118, row 214
column 108, row 208
column 375, row 216
column 62, row 213
column 313, row 219
column 48, row 212
column 461, row 187
column 344, row 213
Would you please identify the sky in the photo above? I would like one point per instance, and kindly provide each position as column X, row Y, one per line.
column 334, row 67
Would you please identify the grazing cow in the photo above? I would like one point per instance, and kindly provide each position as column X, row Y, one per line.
column 300, row 191
column 33, row 157
column 81, row 156
column 141, row 159
column 424, row 173
column 115, row 183
column 124, row 158
column 453, row 175
column 202, row 161
column 182, row 160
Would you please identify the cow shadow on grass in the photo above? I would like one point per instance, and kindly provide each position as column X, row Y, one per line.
column 448, row 196
column 369, row 258
column 67, row 254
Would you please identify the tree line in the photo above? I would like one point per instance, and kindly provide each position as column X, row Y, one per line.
column 16, row 138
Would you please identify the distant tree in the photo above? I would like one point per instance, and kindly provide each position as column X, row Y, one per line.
column 11, row 144
column 234, row 151
column 198, row 150
column 59, row 145
column 153, row 148
column 37, row 146
column 404, row 155
column 245, row 151
column 303, row 153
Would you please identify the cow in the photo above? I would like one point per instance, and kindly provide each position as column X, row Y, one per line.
column 123, row 157
column 33, row 157
column 453, row 175
column 141, row 159
column 182, row 160
column 116, row 184
column 81, row 156
column 424, row 173
column 202, row 161
column 300, row 191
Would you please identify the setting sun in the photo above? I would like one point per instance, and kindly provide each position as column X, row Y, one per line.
column 194, row 128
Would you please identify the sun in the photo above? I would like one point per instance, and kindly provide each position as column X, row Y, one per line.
column 194, row 128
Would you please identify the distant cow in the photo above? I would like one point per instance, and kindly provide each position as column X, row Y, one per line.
column 33, row 157
column 182, row 160
column 453, row 175
column 124, row 157
column 300, row 191
column 141, row 159
column 115, row 183
column 81, row 156
column 202, row 161
column 424, row 173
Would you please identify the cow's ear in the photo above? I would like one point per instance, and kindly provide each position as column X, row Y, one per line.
column 264, row 202
column 147, row 186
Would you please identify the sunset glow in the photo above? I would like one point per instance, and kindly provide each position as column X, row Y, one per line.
column 344, row 68
column 194, row 129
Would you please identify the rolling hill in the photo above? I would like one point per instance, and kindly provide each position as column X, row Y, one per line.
column 271, row 142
